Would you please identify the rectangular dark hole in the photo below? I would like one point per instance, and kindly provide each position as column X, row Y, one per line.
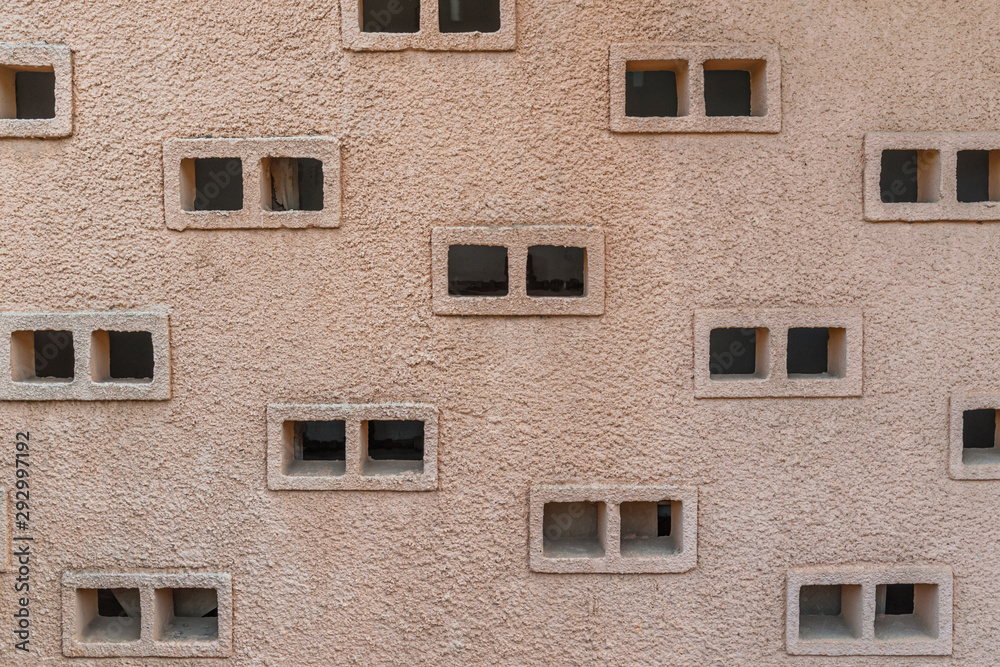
column 195, row 602
column 390, row 15
column 469, row 15
column 322, row 441
column 808, row 351
column 477, row 270
column 820, row 600
column 35, row 94
column 218, row 183
column 727, row 92
column 651, row 94
column 296, row 184
column 979, row 428
column 396, row 440
column 973, row 176
column 54, row 356
column 733, row 351
column 663, row 519
column 898, row 181
column 898, row 599
column 555, row 271
column 108, row 605
column 130, row 355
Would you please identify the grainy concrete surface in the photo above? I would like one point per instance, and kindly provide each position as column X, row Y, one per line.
column 327, row 316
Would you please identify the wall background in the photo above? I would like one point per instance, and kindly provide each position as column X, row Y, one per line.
column 436, row 139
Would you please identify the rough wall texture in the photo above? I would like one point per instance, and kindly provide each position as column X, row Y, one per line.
column 330, row 316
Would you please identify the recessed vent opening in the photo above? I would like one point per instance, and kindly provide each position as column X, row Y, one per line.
column 647, row 529
column 469, row 15
column 738, row 353
column 910, row 176
column 556, row 271
column 27, row 94
column 906, row 611
column 830, row 612
column 390, row 15
column 574, row 530
column 42, row 356
column 187, row 614
column 108, row 615
column 656, row 88
column 212, row 184
column 477, row 270
column 292, row 184
column 393, row 447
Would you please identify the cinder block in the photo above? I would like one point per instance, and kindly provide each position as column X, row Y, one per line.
column 357, row 468
column 689, row 62
column 934, row 171
column 518, row 241
column 972, row 460
column 429, row 37
column 767, row 340
column 158, row 622
column 840, row 610
column 84, row 336
column 48, row 58
column 612, row 529
column 253, row 161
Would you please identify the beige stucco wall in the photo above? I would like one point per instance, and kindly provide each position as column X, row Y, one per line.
column 345, row 315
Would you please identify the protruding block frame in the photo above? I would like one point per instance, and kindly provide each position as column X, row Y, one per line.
column 947, row 208
column 429, row 37
column 83, row 386
column 613, row 496
column 958, row 468
column 251, row 152
column 869, row 577
column 517, row 240
column 766, row 82
column 147, row 645
column 279, row 447
column 777, row 384
column 36, row 57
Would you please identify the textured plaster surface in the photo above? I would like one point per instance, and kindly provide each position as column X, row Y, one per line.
column 718, row 221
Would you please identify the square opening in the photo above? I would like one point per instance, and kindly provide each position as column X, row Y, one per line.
column 556, row 271
column 910, row 176
column 186, row 614
column 393, row 447
column 122, row 356
column 317, row 448
column 477, row 270
column 574, row 530
column 469, row 15
column 906, row 611
column 27, row 93
column 735, row 88
column 390, row 15
column 106, row 615
column 291, row 184
column 656, row 88
column 650, row 529
column 978, row 176
column 830, row 612
column 816, row 352
column 737, row 353
column 980, row 436
column 212, row 184
column 42, row 356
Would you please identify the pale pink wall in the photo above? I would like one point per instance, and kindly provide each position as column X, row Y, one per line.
column 344, row 315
